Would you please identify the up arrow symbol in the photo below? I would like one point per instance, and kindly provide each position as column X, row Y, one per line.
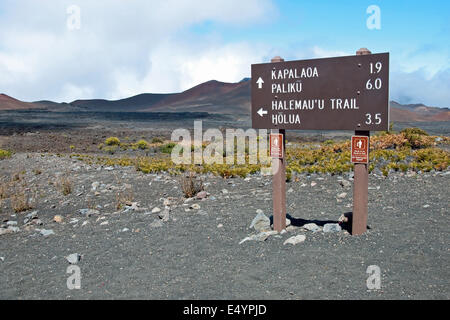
column 260, row 82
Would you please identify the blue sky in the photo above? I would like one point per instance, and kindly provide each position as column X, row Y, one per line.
column 126, row 47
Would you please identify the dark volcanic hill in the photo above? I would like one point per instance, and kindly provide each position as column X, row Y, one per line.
column 212, row 96
column 9, row 103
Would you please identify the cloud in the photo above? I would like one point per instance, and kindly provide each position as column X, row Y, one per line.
column 417, row 87
column 129, row 46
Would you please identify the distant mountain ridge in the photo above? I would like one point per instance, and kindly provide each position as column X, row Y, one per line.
column 211, row 96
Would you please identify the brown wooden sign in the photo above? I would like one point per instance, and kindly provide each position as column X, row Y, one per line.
column 360, row 149
column 276, row 145
column 342, row 93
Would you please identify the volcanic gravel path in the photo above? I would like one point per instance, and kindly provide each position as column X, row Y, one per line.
column 196, row 253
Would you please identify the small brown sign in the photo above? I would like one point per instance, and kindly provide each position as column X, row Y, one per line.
column 276, row 145
column 341, row 93
column 360, row 149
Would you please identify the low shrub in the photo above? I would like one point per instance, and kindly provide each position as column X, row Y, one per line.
column 190, row 185
column 5, row 154
column 112, row 141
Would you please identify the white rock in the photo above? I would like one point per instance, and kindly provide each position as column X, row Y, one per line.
column 260, row 222
column 295, row 239
column 311, row 227
column 156, row 224
column 73, row 258
column 156, row 210
column 331, row 227
column 342, row 195
column 95, row 185
column 313, row 184
column 46, row 233
column 224, row 191
column 195, row 206
column 262, row 236
column 220, row 225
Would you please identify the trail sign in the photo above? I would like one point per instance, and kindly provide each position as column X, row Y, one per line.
column 276, row 145
column 360, row 149
column 342, row 93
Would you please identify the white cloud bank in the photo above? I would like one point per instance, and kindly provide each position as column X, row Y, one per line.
column 127, row 47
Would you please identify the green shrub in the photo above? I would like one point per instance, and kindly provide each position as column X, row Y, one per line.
column 142, row 144
column 157, row 140
column 112, row 141
column 5, row 154
column 167, row 148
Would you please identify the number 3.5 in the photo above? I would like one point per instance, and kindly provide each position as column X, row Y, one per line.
column 369, row 118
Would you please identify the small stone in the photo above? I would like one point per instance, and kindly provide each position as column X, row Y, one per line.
column 295, row 239
column 202, row 195
column 4, row 231
column 220, row 225
column 331, row 227
column 345, row 183
column 88, row 212
column 164, row 215
column 260, row 222
column 342, row 195
column 46, row 233
column 73, row 258
column 426, row 205
column 125, row 230
column 224, row 191
column 262, row 236
column 58, row 219
column 313, row 183
column 104, row 223
column 95, row 185
column 195, row 206
column 13, row 229
column 290, row 190
column 37, row 222
column 156, row 210
column 156, row 224
column 311, row 227
column 11, row 223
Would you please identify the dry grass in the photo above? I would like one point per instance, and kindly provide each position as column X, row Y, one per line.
column 125, row 195
column 190, row 185
column 64, row 184
column 20, row 199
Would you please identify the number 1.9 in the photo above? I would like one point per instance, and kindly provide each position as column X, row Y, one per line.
column 377, row 68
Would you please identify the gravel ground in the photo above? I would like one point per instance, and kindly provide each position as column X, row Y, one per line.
column 196, row 253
